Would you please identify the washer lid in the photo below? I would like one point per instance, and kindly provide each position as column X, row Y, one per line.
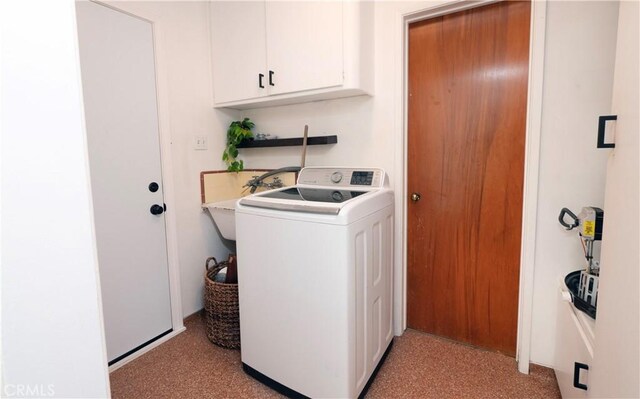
column 314, row 194
column 303, row 199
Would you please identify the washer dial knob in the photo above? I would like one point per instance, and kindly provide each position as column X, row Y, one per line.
column 336, row 177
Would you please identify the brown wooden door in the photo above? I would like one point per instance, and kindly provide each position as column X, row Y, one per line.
column 468, row 76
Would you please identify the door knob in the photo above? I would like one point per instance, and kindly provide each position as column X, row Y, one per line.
column 415, row 197
column 156, row 209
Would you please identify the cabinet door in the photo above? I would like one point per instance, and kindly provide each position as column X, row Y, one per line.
column 304, row 45
column 238, row 40
column 571, row 348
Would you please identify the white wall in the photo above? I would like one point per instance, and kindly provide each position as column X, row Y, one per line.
column 183, row 66
column 352, row 119
column 578, row 80
column 616, row 364
column 52, row 339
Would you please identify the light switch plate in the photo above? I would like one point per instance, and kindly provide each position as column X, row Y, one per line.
column 199, row 143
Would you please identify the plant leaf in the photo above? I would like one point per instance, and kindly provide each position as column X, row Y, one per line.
column 236, row 133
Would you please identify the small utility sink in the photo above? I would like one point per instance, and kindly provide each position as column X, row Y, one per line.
column 224, row 215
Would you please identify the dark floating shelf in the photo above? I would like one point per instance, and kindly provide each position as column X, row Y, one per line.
column 317, row 140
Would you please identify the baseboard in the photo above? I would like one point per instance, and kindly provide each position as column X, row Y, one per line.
column 197, row 313
column 146, row 349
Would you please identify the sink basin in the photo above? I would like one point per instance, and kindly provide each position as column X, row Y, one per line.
column 224, row 216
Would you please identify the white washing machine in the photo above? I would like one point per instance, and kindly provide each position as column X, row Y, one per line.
column 315, row 282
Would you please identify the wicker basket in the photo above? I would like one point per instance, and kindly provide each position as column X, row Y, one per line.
column 221, row 307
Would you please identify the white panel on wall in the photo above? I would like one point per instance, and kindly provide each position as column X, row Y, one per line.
column 578, row 80
column 52, row 337
column 616, row 365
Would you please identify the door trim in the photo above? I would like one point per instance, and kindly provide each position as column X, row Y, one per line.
column 531, row 165
column 168, row 188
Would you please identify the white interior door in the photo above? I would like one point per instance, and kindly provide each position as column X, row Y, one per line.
column 118, row 77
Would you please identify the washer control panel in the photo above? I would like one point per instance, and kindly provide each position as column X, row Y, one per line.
column 342, row 177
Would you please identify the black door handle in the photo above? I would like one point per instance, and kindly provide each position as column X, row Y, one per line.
column 271, row 78
column 576, row 375
column 260, row 77
column 157, row 209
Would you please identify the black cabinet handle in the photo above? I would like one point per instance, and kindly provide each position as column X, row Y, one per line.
column 576, row 375
column 602, row 123
column 260, row 77
column 153, row 187
column 271, row 78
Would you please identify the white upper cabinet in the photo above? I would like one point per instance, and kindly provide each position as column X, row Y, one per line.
column 269, row 53
column 239, row 51
column 304, row 45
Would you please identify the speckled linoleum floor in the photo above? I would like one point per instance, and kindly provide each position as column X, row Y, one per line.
column 418, row 366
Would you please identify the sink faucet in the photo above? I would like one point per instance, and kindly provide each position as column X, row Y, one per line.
column 258, row 181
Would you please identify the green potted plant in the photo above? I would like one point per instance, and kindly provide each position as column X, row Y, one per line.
column 238, row 131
